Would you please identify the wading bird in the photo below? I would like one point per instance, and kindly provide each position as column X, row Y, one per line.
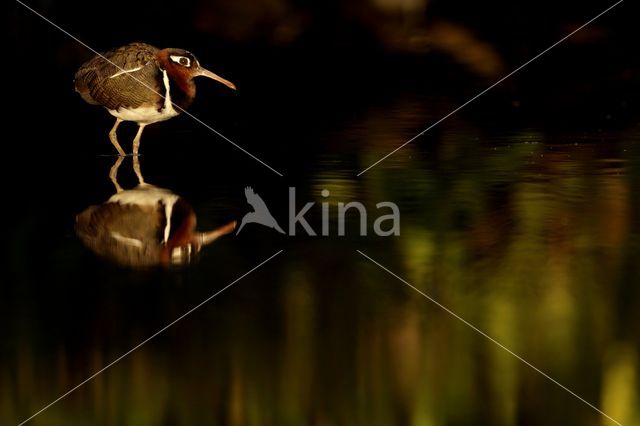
column 141, row 83
column 144, row 226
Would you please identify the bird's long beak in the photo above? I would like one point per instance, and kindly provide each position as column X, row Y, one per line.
column 205, row 238
column 206, row 73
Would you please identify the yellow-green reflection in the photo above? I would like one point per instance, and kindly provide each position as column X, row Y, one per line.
column 535, row 243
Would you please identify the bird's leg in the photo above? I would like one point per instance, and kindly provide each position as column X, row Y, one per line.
column 136, row 158
column 113, row 173
column 136, row 140
column 136, row 169
column 114, row 138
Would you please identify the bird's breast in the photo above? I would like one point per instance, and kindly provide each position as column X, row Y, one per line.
column 150, row 113
column 144, row 114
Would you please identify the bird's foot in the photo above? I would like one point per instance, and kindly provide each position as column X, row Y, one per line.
column 111, row 155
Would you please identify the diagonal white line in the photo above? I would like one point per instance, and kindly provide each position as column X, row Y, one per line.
column 476, row 329
column 150, row 88
column 491, row 87
column 115, row 361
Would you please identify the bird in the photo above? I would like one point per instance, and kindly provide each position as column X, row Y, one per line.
column 144, row 226
column 141, row 83
column 260, row 213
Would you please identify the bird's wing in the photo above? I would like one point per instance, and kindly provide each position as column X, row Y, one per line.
column 255, row 200
column 127, row 78
column 248, row 193
column 130, row 221
column 127, row 234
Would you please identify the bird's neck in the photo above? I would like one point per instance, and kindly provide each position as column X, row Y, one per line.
column 182, row 87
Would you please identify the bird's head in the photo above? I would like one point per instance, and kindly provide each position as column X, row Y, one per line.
column 182, row 66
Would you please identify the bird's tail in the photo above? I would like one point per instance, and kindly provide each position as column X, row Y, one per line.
column 277, row 227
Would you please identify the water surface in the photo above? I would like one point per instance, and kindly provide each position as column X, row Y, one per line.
column 526, row 227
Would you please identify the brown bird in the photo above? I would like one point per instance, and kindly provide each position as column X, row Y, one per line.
column 141, row 83
column 144, row 226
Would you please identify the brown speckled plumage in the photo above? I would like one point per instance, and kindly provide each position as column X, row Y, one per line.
column 132, row 232
column 95, row 84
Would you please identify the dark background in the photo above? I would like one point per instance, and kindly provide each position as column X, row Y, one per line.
column 304, row 69
column 324, row 89
column 302, row 65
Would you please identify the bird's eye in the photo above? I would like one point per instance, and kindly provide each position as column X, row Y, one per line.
column 182, row 60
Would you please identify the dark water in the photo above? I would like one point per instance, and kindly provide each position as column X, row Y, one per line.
column 532, row 237
column 520, row 214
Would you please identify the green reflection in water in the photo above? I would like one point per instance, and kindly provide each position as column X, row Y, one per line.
column 534, row 241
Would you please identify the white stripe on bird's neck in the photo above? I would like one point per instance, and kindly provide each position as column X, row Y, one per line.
column 168, row 106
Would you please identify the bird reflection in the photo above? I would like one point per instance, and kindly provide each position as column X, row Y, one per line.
column 143, row 226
